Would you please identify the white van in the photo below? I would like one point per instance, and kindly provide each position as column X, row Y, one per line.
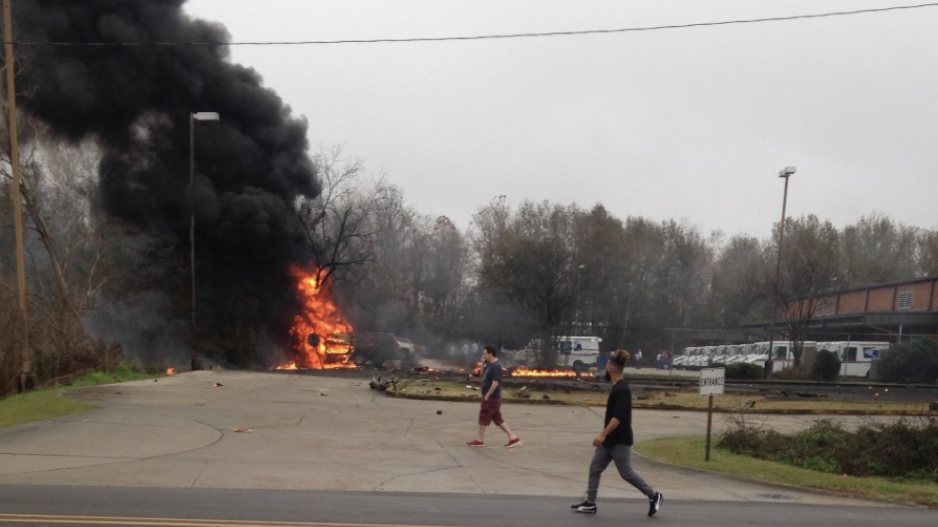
column 855, row 357
column 578, row 351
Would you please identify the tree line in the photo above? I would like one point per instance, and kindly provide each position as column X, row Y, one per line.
column 518, row 272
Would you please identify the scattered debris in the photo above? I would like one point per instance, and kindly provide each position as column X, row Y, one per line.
column 323, row 394
column 439, row 412
column 378, row 382
column 749, row 404
column 545, row 397
column 243, row 430
column 217, row 384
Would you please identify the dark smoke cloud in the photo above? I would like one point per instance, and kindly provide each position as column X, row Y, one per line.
column 136, row 100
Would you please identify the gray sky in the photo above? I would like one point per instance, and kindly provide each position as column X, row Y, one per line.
column 691, row 124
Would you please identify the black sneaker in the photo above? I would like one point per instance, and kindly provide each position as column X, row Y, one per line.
column 654, row 504
column 585, row 507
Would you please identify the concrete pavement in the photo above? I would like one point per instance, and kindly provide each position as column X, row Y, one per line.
column 249, row 430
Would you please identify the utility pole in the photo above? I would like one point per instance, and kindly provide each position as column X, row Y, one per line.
column 25, row 359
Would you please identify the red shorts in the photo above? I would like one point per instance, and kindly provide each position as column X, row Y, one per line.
column 491, row 412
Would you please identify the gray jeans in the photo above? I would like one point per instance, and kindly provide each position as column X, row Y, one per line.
column 621, row 454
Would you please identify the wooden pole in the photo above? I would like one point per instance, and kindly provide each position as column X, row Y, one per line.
column 709, row 427
column 25, row 358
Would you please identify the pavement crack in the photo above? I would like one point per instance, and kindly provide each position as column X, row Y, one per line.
column 460, row 466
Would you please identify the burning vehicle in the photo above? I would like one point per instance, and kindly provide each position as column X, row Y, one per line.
column 322, row 338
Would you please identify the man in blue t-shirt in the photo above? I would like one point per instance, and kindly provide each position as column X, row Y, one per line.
column 490, row 412
column 614, row 443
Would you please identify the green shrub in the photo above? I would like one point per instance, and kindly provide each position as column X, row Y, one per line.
column 826, row 366
column 903, row 450
column 741, row 370
column 910, row 362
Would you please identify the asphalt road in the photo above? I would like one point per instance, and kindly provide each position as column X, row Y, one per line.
column 69, row 505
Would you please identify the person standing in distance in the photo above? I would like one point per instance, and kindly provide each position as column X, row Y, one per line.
column 490, row 412
column 614, row 443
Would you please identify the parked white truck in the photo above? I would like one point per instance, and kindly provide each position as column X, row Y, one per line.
column 578, row 352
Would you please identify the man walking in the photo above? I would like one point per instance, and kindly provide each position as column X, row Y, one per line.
column 614, row 443
column 490, row 412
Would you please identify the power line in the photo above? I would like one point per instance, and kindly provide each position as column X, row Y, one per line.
column 495, row 36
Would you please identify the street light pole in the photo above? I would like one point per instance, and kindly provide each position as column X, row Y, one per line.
column 193, row 117
column 784, row 173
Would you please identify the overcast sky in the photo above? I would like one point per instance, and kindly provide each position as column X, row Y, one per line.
column 691, row 124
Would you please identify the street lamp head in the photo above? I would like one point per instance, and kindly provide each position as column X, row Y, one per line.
column 205, row 116
column 787, row 171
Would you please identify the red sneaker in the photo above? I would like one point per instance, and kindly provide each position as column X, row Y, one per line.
column 513, row 442
column 475, row 442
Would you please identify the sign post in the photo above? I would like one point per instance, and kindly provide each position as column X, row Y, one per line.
column 711, row 383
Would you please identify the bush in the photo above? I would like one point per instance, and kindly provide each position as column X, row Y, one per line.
column 911, row 362
column 904, row 450
column 826, row 366
column 742, row 370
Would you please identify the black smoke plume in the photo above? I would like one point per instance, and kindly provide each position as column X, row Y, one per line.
column 136, row 100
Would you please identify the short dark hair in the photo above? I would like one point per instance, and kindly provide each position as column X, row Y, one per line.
column 493, row 351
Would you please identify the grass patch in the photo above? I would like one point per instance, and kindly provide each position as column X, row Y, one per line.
column 51, row 402
column 689, row 452
column 38, row 406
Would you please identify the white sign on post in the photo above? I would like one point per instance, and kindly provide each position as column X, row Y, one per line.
column 711, row 381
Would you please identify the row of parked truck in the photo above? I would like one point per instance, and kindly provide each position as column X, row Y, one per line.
column 855, row 357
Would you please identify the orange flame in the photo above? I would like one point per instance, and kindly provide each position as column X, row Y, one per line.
column 525, row 372
column 319, row 317
column 170, row 371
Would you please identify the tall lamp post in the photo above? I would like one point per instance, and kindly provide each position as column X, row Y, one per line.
column 784, row 173
column 193, row 117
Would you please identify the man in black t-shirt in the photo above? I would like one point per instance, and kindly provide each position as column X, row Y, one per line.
column 490, row 412
column 614, row 443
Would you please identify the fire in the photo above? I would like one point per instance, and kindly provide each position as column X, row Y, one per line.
column 320, row 320
column 170, row 371
column 291, row 366
column 525, row 372
column 477, row 369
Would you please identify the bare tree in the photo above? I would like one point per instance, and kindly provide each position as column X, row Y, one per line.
column 928, row 253
column 66, row 248
column 876, row 250
column 739, row 283
column 809, row 266
column 338, row 221
column 532, row 261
